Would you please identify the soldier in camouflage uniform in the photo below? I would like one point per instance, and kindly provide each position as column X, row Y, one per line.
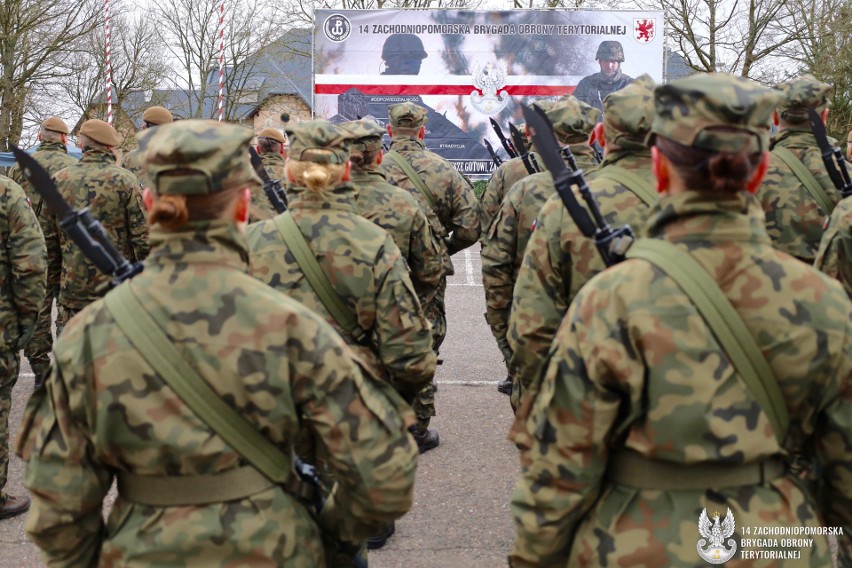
column 795, row 217
column 635, row 376
column 834, row 256
column 107, row 414
column 153, row 116
column 23, row 266
column 593, row 89
column 271, row 147
column 503, row 247
column 393, row 209
column 558, row 259
column 53, row 156
column 111, row 194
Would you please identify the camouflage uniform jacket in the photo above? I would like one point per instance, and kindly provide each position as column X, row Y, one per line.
column 835, row 251
column 794, row 220
column 367, row 271
column 112, row 196
column 52, row 156
column 397, row 212
column 508, row 174
column 23, row 265
column 104, row 410
column 132, row 162
column 559, row 260
column 503, row 248
column 594, row 88
column 275, row 166
column 457, row 209
column 262, row 208
column 634, row 366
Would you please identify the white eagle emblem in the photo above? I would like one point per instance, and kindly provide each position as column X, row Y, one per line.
column 716, row 553
column 488, row 79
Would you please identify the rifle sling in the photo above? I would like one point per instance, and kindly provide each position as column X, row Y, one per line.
column 640, row 187
column 398, row 159
column 269, row 465
column 805, row 176
column 725, row 324
column 316, row 277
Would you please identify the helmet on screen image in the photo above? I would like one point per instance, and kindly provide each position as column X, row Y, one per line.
column 610, row 51
column 403, row 54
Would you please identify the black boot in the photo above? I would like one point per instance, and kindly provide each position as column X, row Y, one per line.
column 505, row 386
column 427, row 440
column 378, row 541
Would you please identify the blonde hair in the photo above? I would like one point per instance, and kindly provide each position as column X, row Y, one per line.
column 314, row 175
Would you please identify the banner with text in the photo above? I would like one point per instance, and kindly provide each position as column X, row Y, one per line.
column 469, row 66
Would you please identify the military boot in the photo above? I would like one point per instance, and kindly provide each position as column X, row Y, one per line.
column 13, row 506
column 426, row 440
column 505, row 386
column 378, row 541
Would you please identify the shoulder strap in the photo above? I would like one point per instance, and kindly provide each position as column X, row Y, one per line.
column 317, row 278
column 640, row 187
column 398, row 159
column 153, row 344
column 805, row 176
column 725, row 323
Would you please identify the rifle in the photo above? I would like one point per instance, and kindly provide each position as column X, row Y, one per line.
column 612, row 244
column 506, row 144
column 271, row 187
column 497, row 161
column 832, row 157
column 81, row 227
column 529, row 161
column 567, row 155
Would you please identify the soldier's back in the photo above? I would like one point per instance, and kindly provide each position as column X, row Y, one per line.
column 500, row 182
column 834, row 256
column 52, row 156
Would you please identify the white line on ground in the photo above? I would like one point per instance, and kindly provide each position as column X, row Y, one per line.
column 470, row 272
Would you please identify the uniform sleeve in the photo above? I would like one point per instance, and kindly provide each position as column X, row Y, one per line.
column 357, row 423
column 137, row 223
column 65, row 481
column 572, row 417
column 27, row 260
column 835, row 251
column 491, row 199
column 464, row 216
column 424, row 258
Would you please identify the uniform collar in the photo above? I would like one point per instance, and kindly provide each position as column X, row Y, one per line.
column 794, row 137
column 269, row 157
column 622, row 157
column 52, row 147
column 342, row 197
column 199, row 242
column 368, row 176
column 407, row 143
column 706, row 216
column 98, row 157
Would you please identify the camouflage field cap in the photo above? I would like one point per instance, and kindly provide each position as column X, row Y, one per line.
column 715, row 112
column 318, row 135
column 55, row 124
column 572, row 120
column 100, row 132
column 407, row 114
column 628, row 113
column 197, row 157
column 365, row 134
column 157, row 115
column 273, row 134
column 800, row 94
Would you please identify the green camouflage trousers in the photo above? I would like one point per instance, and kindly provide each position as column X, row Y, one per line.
column 38, row 349
column 435, row 312
column 63, row 315
column 9, row 367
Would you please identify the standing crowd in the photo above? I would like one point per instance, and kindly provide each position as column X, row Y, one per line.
column 261, row 390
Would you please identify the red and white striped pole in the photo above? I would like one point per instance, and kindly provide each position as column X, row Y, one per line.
column 221, row 59
column 108, row 67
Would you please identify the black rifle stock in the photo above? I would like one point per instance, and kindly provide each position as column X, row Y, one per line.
column 271, row 187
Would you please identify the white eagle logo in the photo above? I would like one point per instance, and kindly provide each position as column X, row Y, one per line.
column 716, row 553
column 489, row 79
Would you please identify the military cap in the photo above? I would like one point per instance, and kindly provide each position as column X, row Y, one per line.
column 365, row 134
column 715, row 112
column 407, row 114
column 611, row 51
column 572, row 120
column 318, row 135
column 274, row 134
column 100, row 132
column 55, row 124
column 404, row 45
column 800, row 94
column 157, row 115
column 628, row 113
column 197, row 157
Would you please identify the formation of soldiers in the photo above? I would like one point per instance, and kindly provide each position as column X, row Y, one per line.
column 316, row 332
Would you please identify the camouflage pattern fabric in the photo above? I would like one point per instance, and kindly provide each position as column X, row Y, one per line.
column 23, row 266
column 367, row 272
column 594, row 88
column 397, row 212
column 132, row 161
column 508, row 174
column 634, row 366
column 834, row 256
column 261, row 207
column 275, row 165
column 794, row 219
column 104, row 410
column 52, row 156
column 112, row 196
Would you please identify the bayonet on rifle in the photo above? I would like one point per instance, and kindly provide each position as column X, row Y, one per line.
column 497, row 161
column 832, row 157
column 271, row 187
column 506, row 144
column 518, row 139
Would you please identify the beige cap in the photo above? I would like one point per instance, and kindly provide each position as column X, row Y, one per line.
column 100, row 132
column 157, row 115
column 55, row 124
column 274, row 134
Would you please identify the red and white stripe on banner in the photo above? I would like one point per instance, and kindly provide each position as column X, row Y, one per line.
column 221, row 59
column 108, row 66
column 520, row 86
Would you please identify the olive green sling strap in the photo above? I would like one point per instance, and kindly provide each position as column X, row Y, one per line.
column 805, row 176
column 316, row 277
column 269, row 465
column 398, row 159
column 725, row 323
column 640, row 187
